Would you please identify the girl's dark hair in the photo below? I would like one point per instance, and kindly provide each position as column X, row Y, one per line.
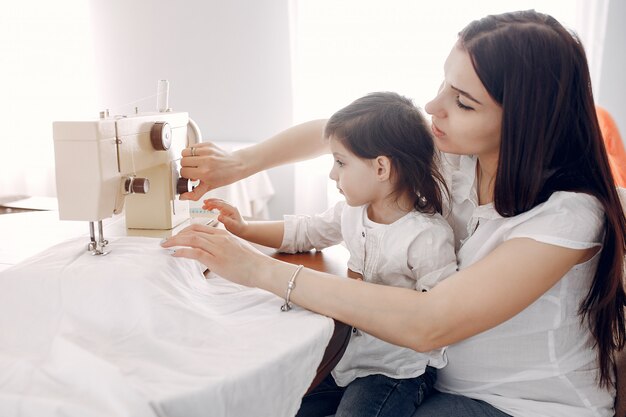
column 388, row 124
column 551, row 141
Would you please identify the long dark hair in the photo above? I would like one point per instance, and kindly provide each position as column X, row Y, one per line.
column 551, row 141
column 388, row 124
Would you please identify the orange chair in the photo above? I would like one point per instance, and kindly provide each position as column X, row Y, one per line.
column 614, row 146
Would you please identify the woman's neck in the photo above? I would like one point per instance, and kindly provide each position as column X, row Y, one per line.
column 486, row 169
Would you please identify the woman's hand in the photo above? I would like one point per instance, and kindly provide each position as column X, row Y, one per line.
column 212, row 165
column 226, row 255
column 215, row 167
column 229, row 215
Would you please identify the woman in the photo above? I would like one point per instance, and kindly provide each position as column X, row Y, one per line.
column 535, row 312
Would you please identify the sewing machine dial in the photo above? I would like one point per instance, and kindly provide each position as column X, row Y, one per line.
column 161, row 136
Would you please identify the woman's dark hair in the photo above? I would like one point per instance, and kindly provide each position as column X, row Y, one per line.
column 551, row 141
column 388, row 124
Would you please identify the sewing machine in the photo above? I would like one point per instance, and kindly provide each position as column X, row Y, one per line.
column 124, row 163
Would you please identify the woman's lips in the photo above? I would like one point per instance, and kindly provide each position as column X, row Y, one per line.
column 438, row 133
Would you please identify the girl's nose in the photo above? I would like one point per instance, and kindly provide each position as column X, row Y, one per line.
column 332, row 174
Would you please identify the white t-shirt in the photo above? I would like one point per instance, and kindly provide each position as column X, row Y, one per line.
column 541, row 362
column 416, row 251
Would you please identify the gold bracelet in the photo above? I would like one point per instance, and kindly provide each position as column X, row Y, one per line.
column 290, row 286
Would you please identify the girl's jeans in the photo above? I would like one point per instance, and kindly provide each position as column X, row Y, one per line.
column 449, row 405
column 370, row 396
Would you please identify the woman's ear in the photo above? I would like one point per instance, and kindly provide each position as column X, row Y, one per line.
column 382, row 164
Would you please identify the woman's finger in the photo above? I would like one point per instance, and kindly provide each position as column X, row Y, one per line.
column 197, row 192
column 194, row 229
column 201, row 246
column 202, row 148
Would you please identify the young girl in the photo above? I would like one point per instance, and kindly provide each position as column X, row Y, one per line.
column 535, row 314
column 391, row 223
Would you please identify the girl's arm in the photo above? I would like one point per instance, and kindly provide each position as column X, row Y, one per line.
column 266, row 233
column 215, row 167
column 473, row 300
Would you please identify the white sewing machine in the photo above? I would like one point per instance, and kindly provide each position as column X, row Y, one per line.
column 124, row 160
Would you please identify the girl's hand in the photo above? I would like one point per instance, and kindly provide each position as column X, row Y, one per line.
column 226, row 255
column 229, row 215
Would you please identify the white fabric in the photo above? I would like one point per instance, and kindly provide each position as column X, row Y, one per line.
column 416, row 251
column 540, row 362
column 140, row 333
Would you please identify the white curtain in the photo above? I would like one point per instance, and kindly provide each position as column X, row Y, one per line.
column 591, row 23
column 46, row 68
column 345, row 49
column 341, row 50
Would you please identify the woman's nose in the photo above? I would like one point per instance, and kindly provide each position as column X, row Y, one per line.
column 433, row 107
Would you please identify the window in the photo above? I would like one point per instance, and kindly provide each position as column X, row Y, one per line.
column 346, row 49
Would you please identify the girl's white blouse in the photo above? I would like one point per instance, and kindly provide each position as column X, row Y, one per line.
column 416, row 251
column 541, row 362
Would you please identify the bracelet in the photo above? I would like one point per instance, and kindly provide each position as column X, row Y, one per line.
column 290, row 286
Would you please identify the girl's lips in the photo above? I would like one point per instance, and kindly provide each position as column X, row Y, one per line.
column 438, row 133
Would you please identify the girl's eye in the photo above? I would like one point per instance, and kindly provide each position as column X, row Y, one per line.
column 339, row 163
column 461, row 105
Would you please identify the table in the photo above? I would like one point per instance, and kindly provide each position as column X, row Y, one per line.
column 25, row 234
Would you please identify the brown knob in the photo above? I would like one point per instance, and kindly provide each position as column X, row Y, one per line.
column 161, row 136
column 137, row 185
column 183, row 185
column 141, row 186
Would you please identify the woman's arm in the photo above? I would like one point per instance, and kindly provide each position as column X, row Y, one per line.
column 215, row 167
column 473, row 300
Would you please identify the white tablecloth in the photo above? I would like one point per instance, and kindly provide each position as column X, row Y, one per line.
column 141, row 333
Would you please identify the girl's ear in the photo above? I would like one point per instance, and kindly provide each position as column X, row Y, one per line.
column 382, row 164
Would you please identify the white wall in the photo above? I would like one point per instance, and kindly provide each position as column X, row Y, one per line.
column 611, row 93
column 228, row 64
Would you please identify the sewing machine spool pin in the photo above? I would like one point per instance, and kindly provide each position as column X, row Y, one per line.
column 97, row 247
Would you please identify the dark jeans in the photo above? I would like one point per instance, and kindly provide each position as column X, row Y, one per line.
column 370, row 396
column 449, row 405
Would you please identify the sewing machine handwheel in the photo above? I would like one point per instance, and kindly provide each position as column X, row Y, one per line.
column 183, row 185
column 161, row 136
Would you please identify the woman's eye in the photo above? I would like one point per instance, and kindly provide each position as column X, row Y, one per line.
column 339, row 163
column 461, row 105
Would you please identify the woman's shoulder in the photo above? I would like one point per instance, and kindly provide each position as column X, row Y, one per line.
column 572, row 202
column 574, row 217
column 567, row 208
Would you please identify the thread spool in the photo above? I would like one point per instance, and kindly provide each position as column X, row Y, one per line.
column 163, row 91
